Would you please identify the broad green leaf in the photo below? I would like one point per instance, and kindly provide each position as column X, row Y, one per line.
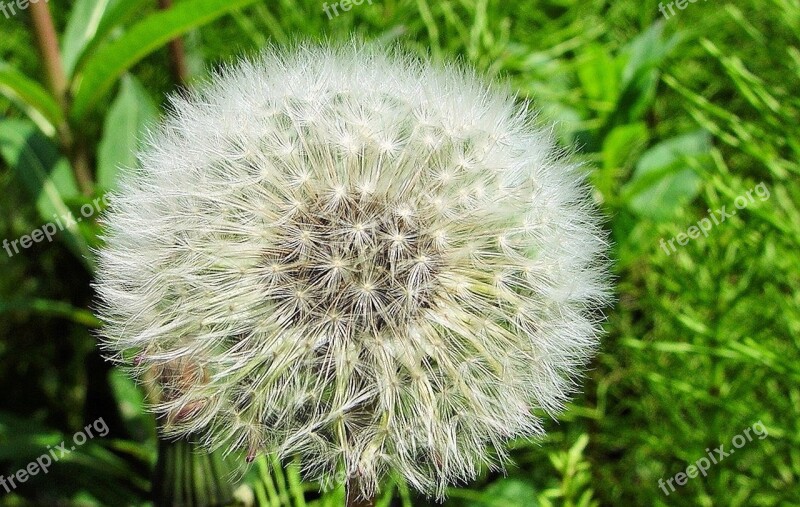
column 82, row 26
column 506, row 492
column 34, row 100
column 47, row 176
column 663, row 180
column 130, row 112
column 109, row 63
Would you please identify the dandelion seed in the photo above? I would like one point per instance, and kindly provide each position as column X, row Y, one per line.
column 357, row 258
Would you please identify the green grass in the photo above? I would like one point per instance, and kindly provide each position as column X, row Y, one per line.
column 701, row 344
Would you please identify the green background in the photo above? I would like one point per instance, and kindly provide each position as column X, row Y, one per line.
column 672, row 116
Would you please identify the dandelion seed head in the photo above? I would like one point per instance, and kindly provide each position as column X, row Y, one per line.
column 355, row 257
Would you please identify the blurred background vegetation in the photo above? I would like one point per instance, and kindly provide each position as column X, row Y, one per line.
column 673, row 117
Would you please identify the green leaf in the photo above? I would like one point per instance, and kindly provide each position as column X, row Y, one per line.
column 47, row 176
column 23, row 439
column 131, row 111
column 599, row 75
column 663, row 180
column 620, row 149
column 508, row 491
column 34, row 100
column 621, row 143
column 110, row 62
column 641, row 61
column 636, row 98
column 51, row 308
column 117, row 14
column 100, row 470
column 82, row 26
column 646, row 51
column 132, row 406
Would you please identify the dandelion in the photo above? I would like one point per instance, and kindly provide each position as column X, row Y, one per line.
column 358, row 258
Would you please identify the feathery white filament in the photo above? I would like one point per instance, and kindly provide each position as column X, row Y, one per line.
column 355, row 257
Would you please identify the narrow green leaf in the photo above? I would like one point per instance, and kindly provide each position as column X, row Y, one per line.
column 131, row 111
column 31, row 97
column 110, row 62
column 22, row 439
column 115, row 16
column 295, row 483
column 81, row 27
column 47, row 176
column 51, row 308
column 265, row 474
column 387, row 495
column 132, row 406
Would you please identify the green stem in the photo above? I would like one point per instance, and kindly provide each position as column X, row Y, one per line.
column 187, row 476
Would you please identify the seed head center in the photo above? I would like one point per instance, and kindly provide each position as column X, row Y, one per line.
column 352, row 267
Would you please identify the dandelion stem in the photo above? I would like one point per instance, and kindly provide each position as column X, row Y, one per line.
column 187, row 475
column 354, row 498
